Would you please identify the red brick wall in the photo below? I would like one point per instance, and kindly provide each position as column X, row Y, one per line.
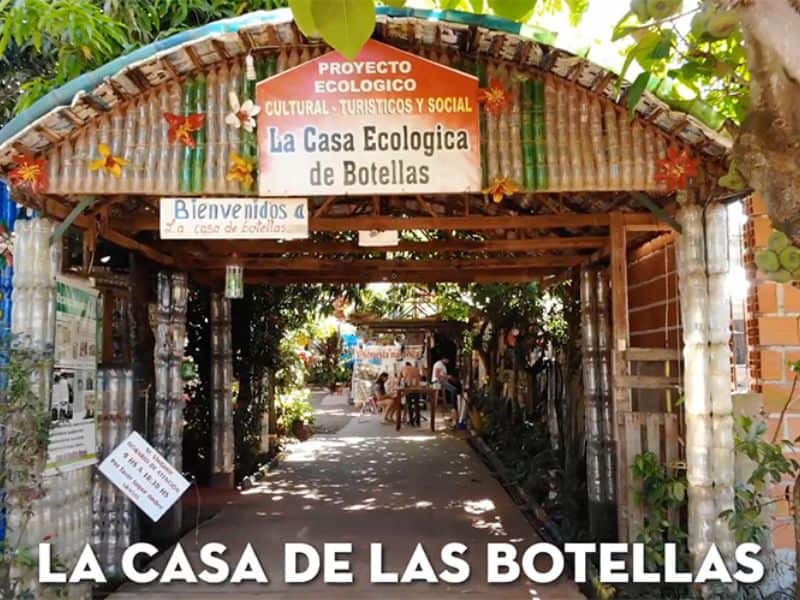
column 773, row 337
column 653, row 294
column 654, row 313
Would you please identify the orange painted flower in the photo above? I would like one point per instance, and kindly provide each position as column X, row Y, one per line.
column 676, row 169
column 241, row 170
column 108, row 162
column 29, row 173
column 501, row 187
column 495, row 98
column 182, row 127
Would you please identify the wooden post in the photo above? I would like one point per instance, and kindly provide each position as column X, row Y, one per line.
column 620, row 395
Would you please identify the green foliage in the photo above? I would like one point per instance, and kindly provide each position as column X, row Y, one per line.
column 344, row 24
column 770, row 466
column 663, row 490
column 70, row 36
column 293, row 407
column 707, row 63
column 265, row 359
column 25, row 422
column 326, row 368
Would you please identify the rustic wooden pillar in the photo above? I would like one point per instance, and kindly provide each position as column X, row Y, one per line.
column 620, row 395
column 222, row 441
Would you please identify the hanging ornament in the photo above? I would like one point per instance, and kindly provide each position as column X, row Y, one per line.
column 30, row 173
column 182, row 128
column 6, row 247
column 501, row 187
column 242, row 115
column 108, row 162
column 234, row 282
column 241, row 170
column 495, row 98
column 676, row 169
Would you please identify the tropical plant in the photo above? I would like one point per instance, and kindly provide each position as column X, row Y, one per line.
column 25, row 428
column 661, row 494
column 292, row 408
column 770, row 466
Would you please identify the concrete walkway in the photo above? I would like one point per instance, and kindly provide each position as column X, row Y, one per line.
column 367, row 483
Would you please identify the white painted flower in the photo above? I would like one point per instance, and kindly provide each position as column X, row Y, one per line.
column 242, row 115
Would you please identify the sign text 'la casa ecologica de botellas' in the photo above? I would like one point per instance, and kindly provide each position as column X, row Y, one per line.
column 388, row 122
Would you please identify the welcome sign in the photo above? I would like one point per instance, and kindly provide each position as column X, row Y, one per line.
column 388, row 122
column 233, row 218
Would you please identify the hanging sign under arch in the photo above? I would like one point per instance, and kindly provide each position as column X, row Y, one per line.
column 387, row 122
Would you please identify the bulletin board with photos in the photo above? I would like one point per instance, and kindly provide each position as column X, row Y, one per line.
column 74, row 395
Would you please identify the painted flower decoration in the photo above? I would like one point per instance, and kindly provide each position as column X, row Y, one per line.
column 241, row 170
column 182, row 128
column 495, row 98
column 501, row 187
column 108, row 162
column 29, row 173
column 242, row 115
column 676, row 169
column 6, row 247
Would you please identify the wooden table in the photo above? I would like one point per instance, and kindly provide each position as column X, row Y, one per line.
column 432, row 394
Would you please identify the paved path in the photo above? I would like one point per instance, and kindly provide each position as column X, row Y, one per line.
column 368, row 483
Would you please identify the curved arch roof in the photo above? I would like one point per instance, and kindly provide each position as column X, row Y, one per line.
column 76, row 104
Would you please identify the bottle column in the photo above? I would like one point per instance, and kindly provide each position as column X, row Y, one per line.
column 222, row 443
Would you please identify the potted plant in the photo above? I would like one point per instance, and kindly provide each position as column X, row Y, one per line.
column 295, row 414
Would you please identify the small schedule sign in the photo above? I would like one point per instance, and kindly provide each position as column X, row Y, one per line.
column 144, row 476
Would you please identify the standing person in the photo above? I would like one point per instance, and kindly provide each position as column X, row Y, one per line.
column 411, row 377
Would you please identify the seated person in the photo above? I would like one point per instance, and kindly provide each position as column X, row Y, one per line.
column 448, row 383
column 382, row 397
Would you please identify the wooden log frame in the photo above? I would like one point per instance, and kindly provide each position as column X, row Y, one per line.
column 502, row 246
column 627, row 422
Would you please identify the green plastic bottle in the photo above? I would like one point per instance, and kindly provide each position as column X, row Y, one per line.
column 539, row 135
column 187, row 161
column 527, row 136
column 199, row 158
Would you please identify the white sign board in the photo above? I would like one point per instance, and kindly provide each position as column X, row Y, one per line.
column 233, row 218
column 72, row 445
column 370, row 238
column 144, row 476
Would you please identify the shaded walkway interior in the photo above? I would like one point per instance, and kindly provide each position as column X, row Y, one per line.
column 368, row 483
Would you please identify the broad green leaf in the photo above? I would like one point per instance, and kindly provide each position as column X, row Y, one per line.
column 301, row 11
column 478, row 6
column 345, row 24
column 516, row 10
column 641, row 51
column 636, row 90
column 625, row 26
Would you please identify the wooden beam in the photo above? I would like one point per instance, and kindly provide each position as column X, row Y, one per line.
column 474, row 223
column 652, row 354
column 449, row 275
column 647, row 382
column 620, row 338
column 267, row 247
column 61, row 211
column 391, row 266
column 137, row 223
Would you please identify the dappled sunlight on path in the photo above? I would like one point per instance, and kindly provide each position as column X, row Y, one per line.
column 368, row 484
